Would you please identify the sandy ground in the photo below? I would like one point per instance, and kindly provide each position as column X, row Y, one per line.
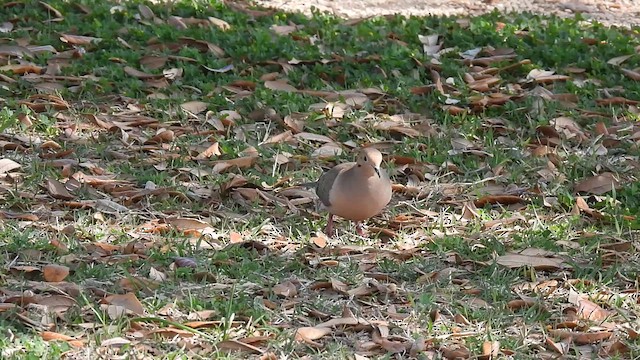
column 611, row 12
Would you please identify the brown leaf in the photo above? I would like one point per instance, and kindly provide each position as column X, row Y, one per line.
column 185, row 262
column 165, row 136
column 223, row 25
column 15, row 50
column 618, row 348
column 320, row 242
column 618, row 60
column 55, row 273
column 588, row 309
column 616, row 100
column 146, row 12
column 195, row 107
column 512, row 260
column 582, row 206
column 394, row 347
column 177, row 22
column 286, row 289
column 279, row 85
column 7, row 165
column 184, row 224
column 153, row 62
column 582, row 338
column 52, row 336
column 19, row 216
column 295, row 122
column 235, row 345
column 339, row 286
column 490, row 350
column 498, row 199
column 631, row 74
column 58, row 190
column 561, row 348
column 242, row 163
column 128, row 301
column 520, row 304
column 53, row 10
column 285, row 136
column 458, row 353
column 305, row 334
column 79, row 39
column 115, row 342
column 141, row 74
column 212, row 150
column 599, row 184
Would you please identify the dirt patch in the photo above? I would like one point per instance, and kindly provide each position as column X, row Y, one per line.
column 611, row 12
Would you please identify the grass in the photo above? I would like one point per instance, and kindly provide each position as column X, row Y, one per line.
column 435, row 285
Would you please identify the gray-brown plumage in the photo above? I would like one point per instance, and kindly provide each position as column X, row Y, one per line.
column 356, row 190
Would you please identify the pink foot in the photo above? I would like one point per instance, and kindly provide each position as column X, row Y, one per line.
column 329, row 230
column 359, row 230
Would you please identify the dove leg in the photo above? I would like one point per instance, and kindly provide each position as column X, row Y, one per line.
column 329, row 230
column 359, row 229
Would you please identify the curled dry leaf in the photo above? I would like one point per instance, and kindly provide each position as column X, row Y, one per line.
column 55, row 273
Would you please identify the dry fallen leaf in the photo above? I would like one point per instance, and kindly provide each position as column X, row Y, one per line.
column 195, row 107
column 599, row 184
column 286, row 289
column 513, row 260
column 128, row 301
column 55, row 273
column 305, row 334
column 588, row 309
column 581, row 338
column 7, row 165
column 52, row 336
column 279, row 86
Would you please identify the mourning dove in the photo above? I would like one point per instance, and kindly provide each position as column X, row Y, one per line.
column 356, row 190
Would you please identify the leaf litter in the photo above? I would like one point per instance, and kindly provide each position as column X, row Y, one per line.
column 371, row 314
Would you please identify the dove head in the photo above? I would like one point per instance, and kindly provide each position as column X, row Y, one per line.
column 369, row 160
